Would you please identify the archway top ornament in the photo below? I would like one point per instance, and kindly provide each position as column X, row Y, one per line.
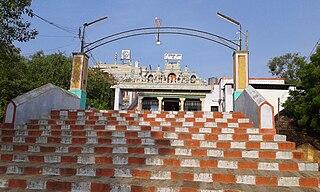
column 162, row 30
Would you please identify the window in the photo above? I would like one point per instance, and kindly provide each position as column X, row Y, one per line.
column 214, row 108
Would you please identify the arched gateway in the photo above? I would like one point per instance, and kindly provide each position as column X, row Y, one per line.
column 171, row 89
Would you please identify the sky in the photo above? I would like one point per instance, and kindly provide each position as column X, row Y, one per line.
column 275, row 28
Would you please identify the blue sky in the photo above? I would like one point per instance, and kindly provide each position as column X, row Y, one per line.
column 275, row 28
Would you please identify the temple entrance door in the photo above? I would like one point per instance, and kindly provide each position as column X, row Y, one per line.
column 171, row 104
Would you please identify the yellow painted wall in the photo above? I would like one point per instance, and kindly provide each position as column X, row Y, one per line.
column 76, row 71
column 242, row 72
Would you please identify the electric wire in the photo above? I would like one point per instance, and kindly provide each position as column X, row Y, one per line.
column 64, row 28
column 313, row 49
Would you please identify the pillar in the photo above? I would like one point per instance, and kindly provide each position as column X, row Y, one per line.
column 182, row 103
column 139, row 103
column 159, row 103
column 116, row 99
column 240, row 72
column 79, row 77
column 202, row 103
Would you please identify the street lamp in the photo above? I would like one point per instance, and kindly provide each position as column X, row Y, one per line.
column 83, row 31
column 233, row 22
column 158, row 25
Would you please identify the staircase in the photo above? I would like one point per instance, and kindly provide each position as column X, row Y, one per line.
column 123, row 151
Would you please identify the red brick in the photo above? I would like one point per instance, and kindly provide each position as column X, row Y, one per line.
column 199, row 152
column 267, row 154
column 17, row 183
column 78, row 140
column 188, row 190
column 222, row 124
column 75, row 149
column 224, row 145
column 309, row 182
column 131, row 134
column 209, row 163
column 36, row 159
column 104, row 172
column 185, row 136
column 163, row 142
column 137, row 160
column 3, row 170
column 268, row 131
column 143, row 174
column 246, row 125
column 107, row 150
column 68, row 171
column 188, row 177
column 103, row 160
column 100, row 187
column 171, row 162
column 298, row 155
column 288, row 167
column 192, row 143
column 58, row 186
column 47, row 149
column 224, row 178
column 287, row 146
column 198, row 124
column 194, row 129
column 136, row 188
column 134, row 141
column 54, row 140
column 20, row 147
column 232, row 154
column 136, row 150
column 267, row 137
column 212, row 137
column 32, row 170
column 68, row 159
column 247, row 165
column 266, row 181
column 157, row 135
column 240, row 137
column 252, row 145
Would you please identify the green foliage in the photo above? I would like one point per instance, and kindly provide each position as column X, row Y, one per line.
column 13, row 27
column 55, row 68
column 286, row 67
column 304, row 103
column 99, row 94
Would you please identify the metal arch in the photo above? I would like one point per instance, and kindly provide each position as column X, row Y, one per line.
column 162, row 30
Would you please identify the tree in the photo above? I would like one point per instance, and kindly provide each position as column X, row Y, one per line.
column 286, row 66
column 12, row 25
column 99, row 94
column 304, row 103
column 13, row 28
column 54, row 68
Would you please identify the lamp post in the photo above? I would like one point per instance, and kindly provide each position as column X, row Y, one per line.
column 83, row 31
column 235, row 23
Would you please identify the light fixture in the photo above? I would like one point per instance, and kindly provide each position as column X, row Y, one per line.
column 233, row 22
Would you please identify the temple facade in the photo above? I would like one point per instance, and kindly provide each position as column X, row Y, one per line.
column 174, row 88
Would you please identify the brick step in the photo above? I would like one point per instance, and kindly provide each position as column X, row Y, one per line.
column 23, row 129
column 276, row 145
column 150, row 150
column 156, row 173
column 144, row 123
column 167, row 160
column 149, row 118
column 143, row 113
column 60, row 183
column 180, row 133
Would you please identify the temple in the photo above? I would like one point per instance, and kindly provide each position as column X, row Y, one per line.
column 175, row 88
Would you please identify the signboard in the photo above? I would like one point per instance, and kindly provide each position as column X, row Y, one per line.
column 172, row 56
column 125, row 55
